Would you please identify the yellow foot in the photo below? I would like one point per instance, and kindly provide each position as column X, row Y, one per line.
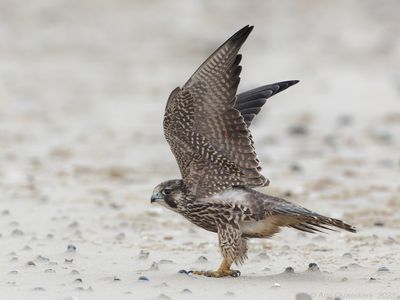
column 217, row 274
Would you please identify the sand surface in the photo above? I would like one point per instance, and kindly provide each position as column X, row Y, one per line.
column 82, row 92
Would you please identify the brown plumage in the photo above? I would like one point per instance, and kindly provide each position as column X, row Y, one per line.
column 206, row 124
column 207, row 134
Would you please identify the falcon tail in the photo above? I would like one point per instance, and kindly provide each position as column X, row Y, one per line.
column 314, row 222
column 300, row 218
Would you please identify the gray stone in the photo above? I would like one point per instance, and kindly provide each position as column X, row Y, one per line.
column 143, row 278
column 71, row 248
column 303, row 296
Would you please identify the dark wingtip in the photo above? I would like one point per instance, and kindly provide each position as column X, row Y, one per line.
column 242, row 34
column 289, row 82
column 283, row 85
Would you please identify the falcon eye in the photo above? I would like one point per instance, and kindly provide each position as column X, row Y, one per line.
column 167, row 191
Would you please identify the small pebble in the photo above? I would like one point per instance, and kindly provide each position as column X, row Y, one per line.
column 372, row 279
column 275, row 285
column 379, row 224
column 263, row 255
column 344, row 279
column 298, row 130
column 71, row 248
column 74, row 272
column 154, row 267
column 303, row 296
column 5, row 212
column 27, row 248
column 294, row 167
column 383, row 269
column 14, row 272
column 163, row 284
column 313, row 267
column 144, row 254
column 116, row 278
column 68, row 261
column 73, row 225
column 40, row 258
column 31, row 263
column 78, row 280
column 229, row 293
column 17, row 233
column 289, row 270
column 347, row 255
column 49, row 271
column 202, row 259
column 354, row 266
column 186, row 291
column 143, row 278
column 120, row 236
column 183, row 272
column 40, row 289
column 165, row 261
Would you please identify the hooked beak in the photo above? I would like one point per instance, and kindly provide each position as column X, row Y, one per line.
column 156, row 197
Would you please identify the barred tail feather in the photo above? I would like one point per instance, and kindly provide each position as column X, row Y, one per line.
column 303, row 219
column 316, row 222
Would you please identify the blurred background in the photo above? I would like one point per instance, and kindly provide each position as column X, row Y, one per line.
column 84, row 83
column 83, row 86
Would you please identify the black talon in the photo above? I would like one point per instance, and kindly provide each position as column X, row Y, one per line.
column 236, row 274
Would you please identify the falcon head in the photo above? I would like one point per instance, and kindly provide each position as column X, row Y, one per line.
column 169, row 194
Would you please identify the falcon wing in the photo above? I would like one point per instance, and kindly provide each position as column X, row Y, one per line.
column 249, row 103
column 207, row 135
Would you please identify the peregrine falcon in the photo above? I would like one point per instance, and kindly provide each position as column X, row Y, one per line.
column 206, row 124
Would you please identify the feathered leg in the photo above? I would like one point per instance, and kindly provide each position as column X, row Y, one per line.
column 233, row 249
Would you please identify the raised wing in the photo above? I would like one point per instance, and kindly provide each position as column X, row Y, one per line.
column 250, row 102
column 207, row 135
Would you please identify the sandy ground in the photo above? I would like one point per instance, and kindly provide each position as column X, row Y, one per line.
column 82, row 91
